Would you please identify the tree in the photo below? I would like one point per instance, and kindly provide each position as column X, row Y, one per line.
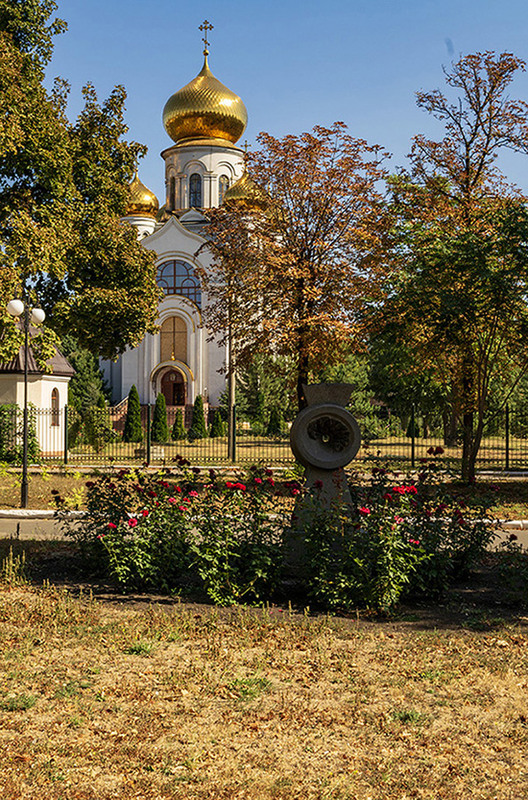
column 133, row 430
column 159, row 431
column 178, row 428
column 86, row 388
column 63, row 189
column 198, row 429
column 291, row 279
column 458, row 298
column 217, row 426
column 275, row 423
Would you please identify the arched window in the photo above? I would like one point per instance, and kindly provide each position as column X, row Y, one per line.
column 55, row 409
column 223, row 186
column 195, row 191
column 172, row 193
column 177, row 277
column 173, row 340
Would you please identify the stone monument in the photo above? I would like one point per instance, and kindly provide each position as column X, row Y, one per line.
column 324, row 438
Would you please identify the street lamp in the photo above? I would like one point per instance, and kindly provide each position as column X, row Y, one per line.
column 18, row 309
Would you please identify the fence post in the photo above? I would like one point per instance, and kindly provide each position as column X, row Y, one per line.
column 413, row 437
column 233, row 433
column 66, row 444
column 148, row 433
column 507, row 425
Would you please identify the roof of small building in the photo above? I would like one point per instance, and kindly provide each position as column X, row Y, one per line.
column 59, row 364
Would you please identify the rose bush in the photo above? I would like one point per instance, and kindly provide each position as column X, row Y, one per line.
column 184, row 529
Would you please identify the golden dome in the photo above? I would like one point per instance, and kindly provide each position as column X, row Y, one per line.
column 141, row 200
column 246, row 194
column 205, row 108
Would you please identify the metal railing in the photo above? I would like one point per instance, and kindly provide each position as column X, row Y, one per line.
column 96, row 438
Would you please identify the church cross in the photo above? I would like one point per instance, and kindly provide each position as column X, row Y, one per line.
column 205, row 26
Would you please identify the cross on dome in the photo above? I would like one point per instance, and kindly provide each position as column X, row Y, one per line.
column 205, row 26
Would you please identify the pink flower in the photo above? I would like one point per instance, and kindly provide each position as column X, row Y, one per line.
column 193, row 493
column 112, row 525
column 258, row 480
column 364, row 511
column 132, row 522
column 172, row 500
column 295, row 491
column 183, row 508
column 414, row 541
column 100, row 536
column 398, row 519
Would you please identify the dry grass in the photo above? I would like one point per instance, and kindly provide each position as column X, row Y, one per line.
column 111, row 701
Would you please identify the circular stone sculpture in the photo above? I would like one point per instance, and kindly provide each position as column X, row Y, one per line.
column 325, row 436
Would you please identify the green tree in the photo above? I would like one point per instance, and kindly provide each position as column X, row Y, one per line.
column 159, row 431
column 217, row 426
column 457, row 295
column 178, row 428
column 86, row 388
column 198, row 429
column 133, row 430
column 63, row 189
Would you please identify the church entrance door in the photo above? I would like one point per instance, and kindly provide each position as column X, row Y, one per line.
column 173, row 388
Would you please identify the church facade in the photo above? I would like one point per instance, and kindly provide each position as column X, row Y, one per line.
column 205, row 120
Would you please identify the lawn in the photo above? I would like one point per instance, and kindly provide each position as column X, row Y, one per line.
column 128, row 699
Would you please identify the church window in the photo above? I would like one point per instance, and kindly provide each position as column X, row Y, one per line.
column 173, row 335
column 177, row 277
column 55, row 410
column 223, row 186
column 172, row 193
column 195, row 191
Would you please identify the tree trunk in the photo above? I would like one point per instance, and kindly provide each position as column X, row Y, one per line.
column 302, row 378
column 468, row 454
column 449, row 421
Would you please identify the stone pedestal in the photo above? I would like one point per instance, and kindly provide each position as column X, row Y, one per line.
column 324, row 438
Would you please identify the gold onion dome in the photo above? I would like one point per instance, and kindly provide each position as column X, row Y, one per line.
column 245, row 194
column 205, row 109
column 141, row 200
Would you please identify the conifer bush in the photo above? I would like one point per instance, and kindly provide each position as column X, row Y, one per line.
column 133, row 431
column 178, row 429
column 197, row 429
column 274, row 427
column 159, row 431
column 217, row 426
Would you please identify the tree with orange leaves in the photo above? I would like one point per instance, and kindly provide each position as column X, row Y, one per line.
column 293, row 277
column 460, row 281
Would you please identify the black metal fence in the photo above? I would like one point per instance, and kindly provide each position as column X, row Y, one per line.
column 96, row 438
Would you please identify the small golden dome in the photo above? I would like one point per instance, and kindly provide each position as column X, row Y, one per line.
column 141, row 200
column 205, row 108
column 246, row 194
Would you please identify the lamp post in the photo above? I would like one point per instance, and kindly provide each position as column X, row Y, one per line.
column 20, row 309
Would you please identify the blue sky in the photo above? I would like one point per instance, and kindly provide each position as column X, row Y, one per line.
column 295, row 63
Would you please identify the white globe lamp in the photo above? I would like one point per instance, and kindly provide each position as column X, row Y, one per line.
column 15, row 308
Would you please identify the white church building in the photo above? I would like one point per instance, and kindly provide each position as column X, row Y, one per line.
column 205, row 120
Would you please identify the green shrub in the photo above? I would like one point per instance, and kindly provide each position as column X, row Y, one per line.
column 98, row 428
column 198, row 429
column 159, row 431
column 12, row 432
column 217, row 427
column 178, row 428
column 133, row 431
column 275, row 423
